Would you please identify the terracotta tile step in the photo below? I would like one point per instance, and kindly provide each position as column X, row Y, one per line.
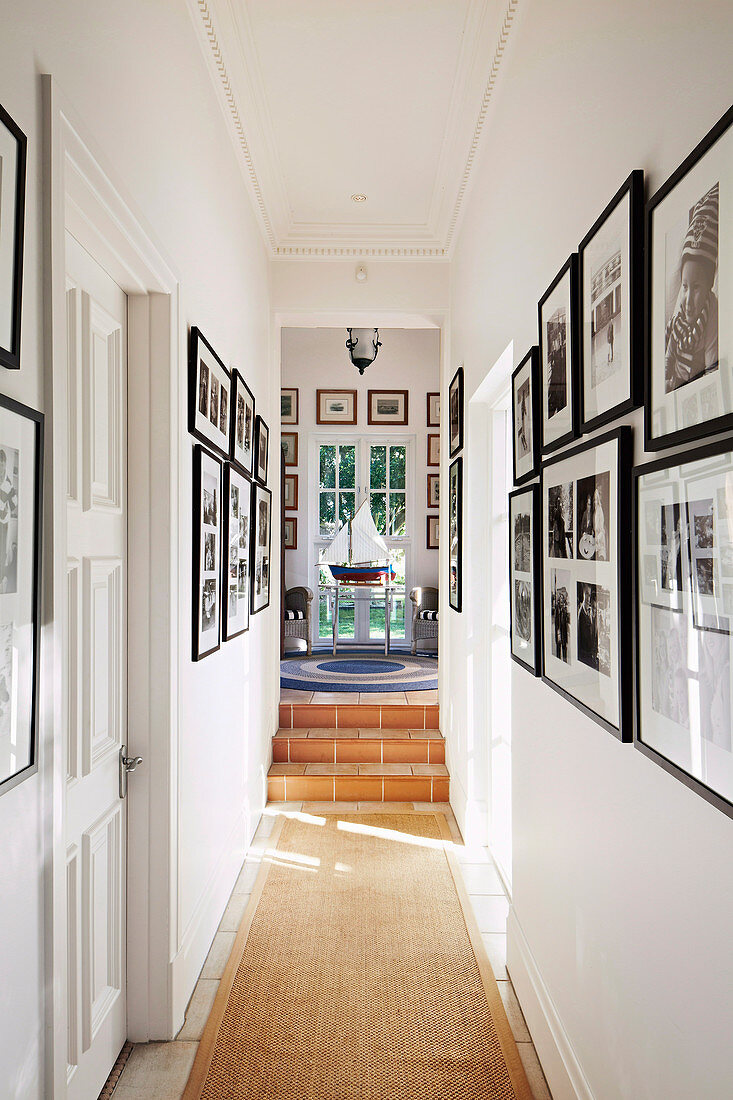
column 323, row 746
column 358, row 782
column 355, row 715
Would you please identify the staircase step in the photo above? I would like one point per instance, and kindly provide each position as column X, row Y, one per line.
column 358, row 782
column 363, row 746
column 359, row 715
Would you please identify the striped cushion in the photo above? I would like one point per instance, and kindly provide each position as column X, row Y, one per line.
column 431, row 615
column 294, row 614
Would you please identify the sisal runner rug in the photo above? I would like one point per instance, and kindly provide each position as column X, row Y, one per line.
column 357, row 974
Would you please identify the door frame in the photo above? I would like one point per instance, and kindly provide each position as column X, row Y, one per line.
column 83, row 198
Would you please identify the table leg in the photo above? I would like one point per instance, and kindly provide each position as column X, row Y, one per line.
column 335, row 619
column 387, row 616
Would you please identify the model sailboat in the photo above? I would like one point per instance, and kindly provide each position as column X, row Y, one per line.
column 355, row 554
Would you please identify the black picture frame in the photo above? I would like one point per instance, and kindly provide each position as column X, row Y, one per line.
column 455, row 413
column 684, row 458
column 529, row 366
column 632, row 189
column 568, row 270
column 261, row 564
column 232, row 541
column 10, row 354
column 262, row 432
column 455, row 517
column 204, row 369
column 29, row 558
column 206, row 600
column 709, row 424
column 623, row 438
column 242, row 395
column 432, row 536
column 535, row 548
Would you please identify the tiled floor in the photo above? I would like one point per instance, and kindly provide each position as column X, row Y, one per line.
column 289, row 695
column 160, row 1070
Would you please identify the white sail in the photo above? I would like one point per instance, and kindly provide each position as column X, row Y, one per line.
column 358, row 542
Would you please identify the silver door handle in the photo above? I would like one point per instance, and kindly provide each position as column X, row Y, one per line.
column 127, row 764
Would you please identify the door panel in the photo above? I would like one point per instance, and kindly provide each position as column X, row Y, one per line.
column 95, row 669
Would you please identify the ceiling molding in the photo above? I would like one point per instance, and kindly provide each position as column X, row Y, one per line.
column 240, row 91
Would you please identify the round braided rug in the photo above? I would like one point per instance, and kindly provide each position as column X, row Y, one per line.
column 359, row 671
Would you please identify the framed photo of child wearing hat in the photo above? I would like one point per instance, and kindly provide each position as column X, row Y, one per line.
column 689, row 354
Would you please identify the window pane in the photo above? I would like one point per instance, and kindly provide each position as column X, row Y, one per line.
column 397, row 618
column 397, row 514
column 347, row 467
column 346, row 618
column 327, row 513
column 328, row 467
column 325, row 620
column 379, row 511
column 397, row 467
column 376, row 619
column 378, row 468
column 397, row 558
column 347, row 507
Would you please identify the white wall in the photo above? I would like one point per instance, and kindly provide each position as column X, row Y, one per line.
column 135, row 76
column 622, row 878
column 317, row 358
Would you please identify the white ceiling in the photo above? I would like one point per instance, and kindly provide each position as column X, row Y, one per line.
column 327, row 98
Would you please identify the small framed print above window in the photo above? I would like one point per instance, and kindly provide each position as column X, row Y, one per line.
column 209, row 405
column 290, row 533
column 13, row 146
column 433, row 529
column 433, row 490
column 434, row 450
column 291, row 492
column 433, row 410
column 289, row 445
column 288, row 406
column 387, row 406
column 558, row 323
column 336, row 407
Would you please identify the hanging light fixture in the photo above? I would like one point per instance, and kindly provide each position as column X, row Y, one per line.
column 363, row 345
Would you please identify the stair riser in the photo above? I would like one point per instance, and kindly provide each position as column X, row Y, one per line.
column 309, row 750
column 357, row 788
column 355, row 715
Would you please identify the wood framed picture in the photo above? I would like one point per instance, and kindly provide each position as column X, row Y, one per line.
column 289, row 444
column 525, row 602
column 586, row 597
column 455, row 412
column 207, row 521
column 13, row 149
column 526, row 417
column 262, row 449
column 261, row 563
column 387, row 406
column 236, row 557
column 455, row 534
column 288, row 406
column 290, row 533
column 689, row 255
column 336, row 406
column 209, row 392
column 558, row 325
column 433, row 420
column 433, row 449
column 611, row 289
column 291, row 492
column 433, row 490
column 21, row 495
column 432, row 532
column 243, row 425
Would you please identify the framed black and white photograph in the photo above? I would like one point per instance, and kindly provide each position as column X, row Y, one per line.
column 243, row 424
column 558, row 325
column 289, row 406
column 387, row 406
column 433, row 490
column 611, row 287
column 689, row 254
column 289, row 445
column 21, row 485
column 684, row 636
column 261, row 563
column 432, row 532
column 13, row 148
column 207, row 525
column 291, row 492
column 455, row 534
column 526, row 417
column 525, row 603
column 336, row 406
column 455, row 413
column 209, row 394
column 433, row 458
column 586, row 595
column 236, row 557
column 433, row 414
column 262, row 449
column 290, row 533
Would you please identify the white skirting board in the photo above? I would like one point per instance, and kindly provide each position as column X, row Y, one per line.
column 552, row 1043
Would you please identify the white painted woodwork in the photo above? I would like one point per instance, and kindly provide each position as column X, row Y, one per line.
column 96, row 818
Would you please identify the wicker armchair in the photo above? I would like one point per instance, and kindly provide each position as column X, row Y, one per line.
column 297, row 615
column 424, row 614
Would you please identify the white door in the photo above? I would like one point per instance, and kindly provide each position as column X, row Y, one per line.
column 96, row 669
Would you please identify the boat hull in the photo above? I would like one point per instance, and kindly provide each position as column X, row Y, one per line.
column 350, row 574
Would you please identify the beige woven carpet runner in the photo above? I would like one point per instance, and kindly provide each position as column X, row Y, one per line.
column 358, row 973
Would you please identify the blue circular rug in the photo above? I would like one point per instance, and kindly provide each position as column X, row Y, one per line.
column 359, row 672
